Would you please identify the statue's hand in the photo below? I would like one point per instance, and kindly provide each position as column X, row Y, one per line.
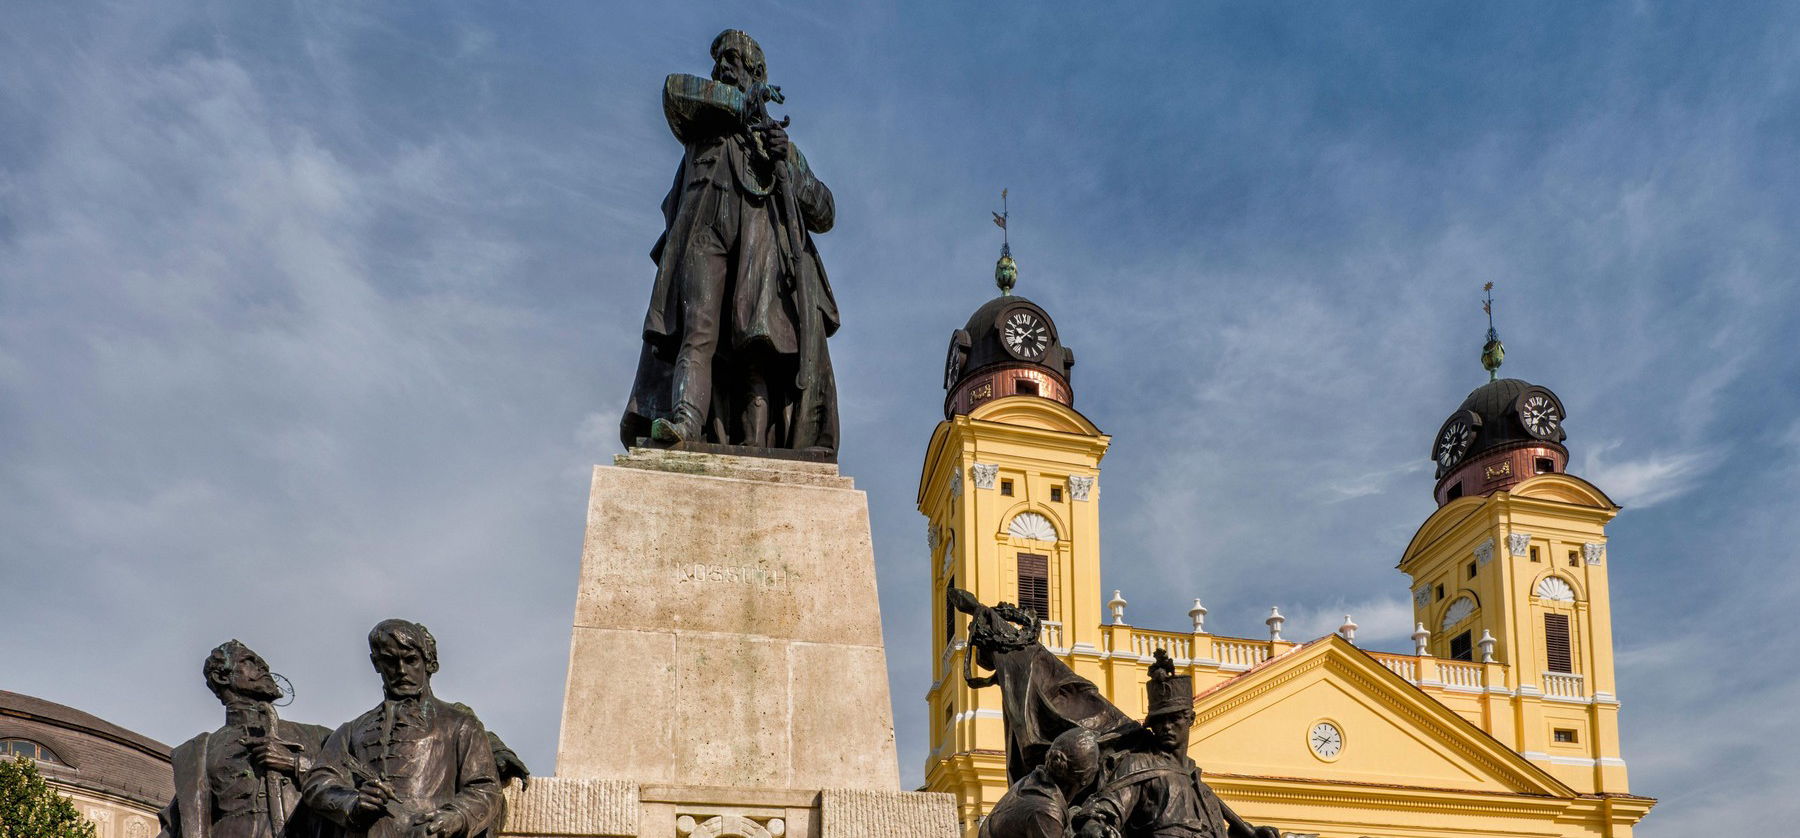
column 775, row 141
column 369, row 807
column 510, row 768
column 1096, row 829
column 274, row 758
column 443, row 822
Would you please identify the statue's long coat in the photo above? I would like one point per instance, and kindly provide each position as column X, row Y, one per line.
column 769, row 307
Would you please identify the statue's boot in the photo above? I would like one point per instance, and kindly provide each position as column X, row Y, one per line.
column 666, row 432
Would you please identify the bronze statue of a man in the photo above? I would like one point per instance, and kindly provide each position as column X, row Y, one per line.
column 1153, row 790
column 415, row 765
column 734, row 341
column 241, row 781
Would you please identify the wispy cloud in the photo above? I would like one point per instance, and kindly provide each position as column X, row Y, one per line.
column 1650, row 479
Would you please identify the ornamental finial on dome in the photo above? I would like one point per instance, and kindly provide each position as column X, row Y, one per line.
column 1493, row 353
column 1006, row 271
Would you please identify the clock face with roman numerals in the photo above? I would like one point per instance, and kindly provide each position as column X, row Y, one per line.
column 1325, row 740
column 1540, row 413
column 1024, row 334
column 1454, row 439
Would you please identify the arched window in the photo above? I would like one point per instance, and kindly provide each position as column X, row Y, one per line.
column 28, row 748
column 1033, row 526
column 1459, row 610
column 1555, row 590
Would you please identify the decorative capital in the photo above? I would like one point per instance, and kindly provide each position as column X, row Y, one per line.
column 1484, row 552
column 1422, row 596
column 984, row 474
column 955, row 484
column 1518, row 543
column 1592, row 552
column 1080, row 487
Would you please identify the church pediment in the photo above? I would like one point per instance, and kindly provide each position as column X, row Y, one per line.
column 1330, row 712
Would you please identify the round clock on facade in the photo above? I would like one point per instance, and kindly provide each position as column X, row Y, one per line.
column 1325, row 740
column 1024, row 334
column 1541, row 413
column 1454, row 439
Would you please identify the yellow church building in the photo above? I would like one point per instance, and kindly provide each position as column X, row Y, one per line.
column 1502, row 720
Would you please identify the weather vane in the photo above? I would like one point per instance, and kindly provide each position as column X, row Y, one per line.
column 1493, row 353
column 1006, row 271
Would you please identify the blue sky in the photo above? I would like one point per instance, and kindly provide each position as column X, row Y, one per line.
column 316, row 314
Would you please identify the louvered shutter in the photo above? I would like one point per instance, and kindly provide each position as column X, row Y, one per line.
column 1556, row 643
column 1034, row 584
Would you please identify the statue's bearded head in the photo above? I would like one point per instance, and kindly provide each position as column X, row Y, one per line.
column 233, row 670
column 738, row 60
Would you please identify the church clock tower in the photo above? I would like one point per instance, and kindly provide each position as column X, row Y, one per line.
column 1512, row 569
column 1010, row 491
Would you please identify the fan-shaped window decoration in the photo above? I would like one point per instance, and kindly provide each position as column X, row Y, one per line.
column 27, row 748
column 1033, row 526
column 1458, row 611
column 1555, row 590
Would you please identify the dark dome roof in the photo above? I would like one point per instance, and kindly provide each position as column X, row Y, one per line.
column 985, row 345
column 1496, row 403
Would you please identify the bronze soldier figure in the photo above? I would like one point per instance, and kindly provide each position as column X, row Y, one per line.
column 1037, row 806
column 734, row 341
column 1154, row 790
column 415, row 765
column 241, row 781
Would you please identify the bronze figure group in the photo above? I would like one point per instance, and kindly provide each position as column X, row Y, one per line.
column 415, row 765
column 1078, row 765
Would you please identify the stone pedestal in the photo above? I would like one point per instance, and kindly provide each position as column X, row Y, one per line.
column 726, row 671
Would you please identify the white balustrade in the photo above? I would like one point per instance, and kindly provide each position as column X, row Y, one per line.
column 1051, row 635
column 1239, row 653
column 1145, row 643
column 1564, row 685
column 1459, row 674
column 1404, row 667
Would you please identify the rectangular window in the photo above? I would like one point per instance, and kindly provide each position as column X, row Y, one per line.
column 1556, row 643
column 1034, row 584
column 1534, row 555
column 1056, row 494
column 1026, row 388
column 949, row 613
column 1006, row 488
column 1440, row 593
column 1574, row 559
column 1462, row 647
column 1545, row 465
column 1471, row 570
column 1566, row 735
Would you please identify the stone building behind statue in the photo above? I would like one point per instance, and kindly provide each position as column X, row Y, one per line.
column 117, row 778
